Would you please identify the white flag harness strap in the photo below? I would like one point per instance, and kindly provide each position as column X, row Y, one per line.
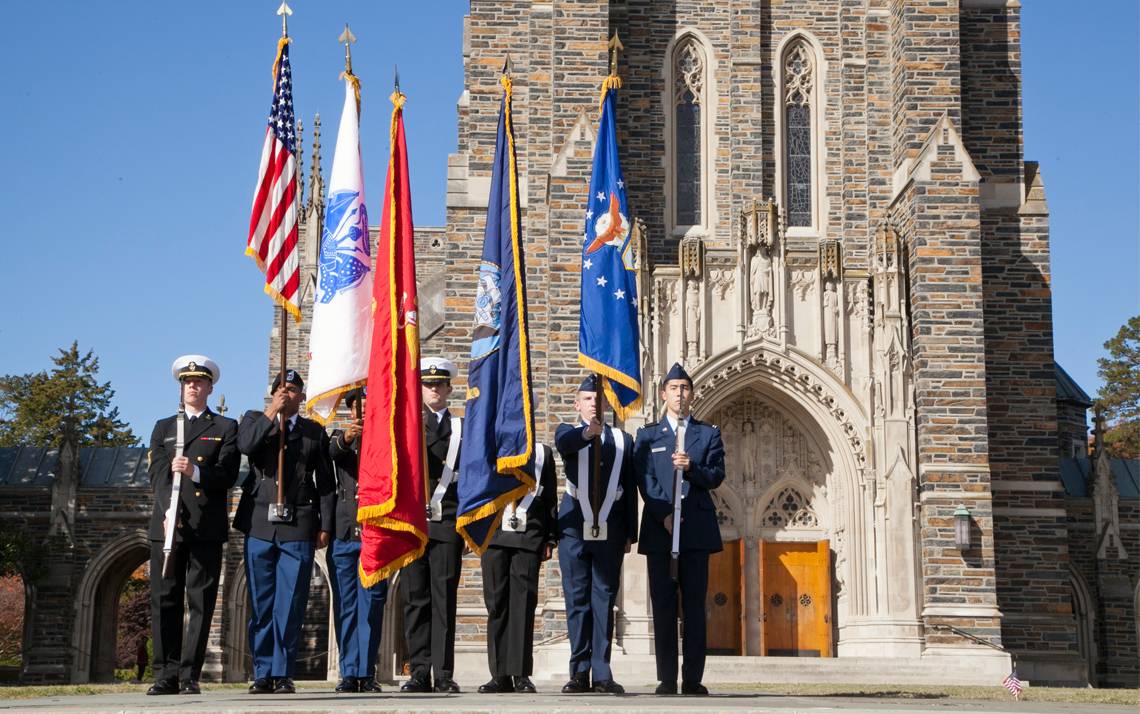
column 678, row 493
column 613, row 488
column 448, row 476
column 524, row 505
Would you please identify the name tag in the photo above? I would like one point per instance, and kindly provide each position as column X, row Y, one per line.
column 659, row 449
column 169, row 438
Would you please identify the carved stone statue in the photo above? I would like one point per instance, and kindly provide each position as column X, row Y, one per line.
column 748, row 445
column 830, row 324
column 692, row 319
column 760, row 281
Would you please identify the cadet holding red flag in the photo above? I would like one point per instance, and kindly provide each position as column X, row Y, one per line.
column 391, row 486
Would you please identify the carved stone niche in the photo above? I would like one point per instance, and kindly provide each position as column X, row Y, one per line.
column 758, row 262
column 831, row 275
column 691, row 256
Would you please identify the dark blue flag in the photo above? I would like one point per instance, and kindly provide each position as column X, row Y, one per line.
column 608, row 330
column 498, row 428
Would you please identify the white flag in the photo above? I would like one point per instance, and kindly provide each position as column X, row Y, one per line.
column 342, row 307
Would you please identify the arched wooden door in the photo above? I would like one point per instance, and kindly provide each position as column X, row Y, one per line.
column 724, row 600
column 796, row 594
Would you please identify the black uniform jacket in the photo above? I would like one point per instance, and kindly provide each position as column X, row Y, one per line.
column 621, row 526
column 211, row 445
column 309, row 484
column 541, row 514
column 437, row 443
column 346, row 462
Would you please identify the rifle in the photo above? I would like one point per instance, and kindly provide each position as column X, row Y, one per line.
column 678, row 480
column 171, row 522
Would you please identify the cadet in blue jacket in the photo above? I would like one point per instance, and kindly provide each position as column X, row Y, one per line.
column 591, row 562
column 700, row 459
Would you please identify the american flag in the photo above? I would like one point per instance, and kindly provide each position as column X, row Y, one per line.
column 273, row 222
column 1013, row 684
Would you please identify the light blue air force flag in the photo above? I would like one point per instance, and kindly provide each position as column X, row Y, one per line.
column 608, row 329
column 498, row 429
column 341, row 334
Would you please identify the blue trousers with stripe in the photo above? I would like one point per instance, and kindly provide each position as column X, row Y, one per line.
column 359, row 611
column 278, row 575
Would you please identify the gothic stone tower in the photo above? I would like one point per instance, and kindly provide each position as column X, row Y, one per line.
column 841, row 239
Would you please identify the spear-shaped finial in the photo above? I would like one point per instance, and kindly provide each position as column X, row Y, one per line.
column 396, row 77
column 347, row 38
column 222, row 408
column 284, row 11
column 507, row 65
column 615, row 47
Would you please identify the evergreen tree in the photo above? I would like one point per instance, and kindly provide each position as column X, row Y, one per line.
column 1119, row 398
column 39, row 408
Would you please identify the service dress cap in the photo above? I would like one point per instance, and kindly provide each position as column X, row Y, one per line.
column 677, row 372
column 436, row 369
column 188, row 366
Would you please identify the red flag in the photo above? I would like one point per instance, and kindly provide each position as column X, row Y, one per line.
column 391, row 495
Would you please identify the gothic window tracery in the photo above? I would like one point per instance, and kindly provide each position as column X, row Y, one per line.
column 789, row 509
column 799, row 100
column 688, row 88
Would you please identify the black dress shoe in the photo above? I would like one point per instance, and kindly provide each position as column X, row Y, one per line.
column 284, row 685
column 190, row 686
column 261, row 685
column 497, row 685
column 368, row 684
column 694, row 688
column 608, row 686
column 418, row 684
column 523, row 685
column 446, row 685
column 666, row 688
column 578, row 684
column 163, row 686
column 347, row 685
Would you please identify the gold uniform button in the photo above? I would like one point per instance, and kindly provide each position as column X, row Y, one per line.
column 198, row 494
column 201, row 458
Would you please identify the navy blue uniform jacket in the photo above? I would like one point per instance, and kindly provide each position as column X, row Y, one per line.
column 654, row 449
column 622, row 522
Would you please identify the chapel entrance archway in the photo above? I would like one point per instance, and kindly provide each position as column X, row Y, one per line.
column 97, row 606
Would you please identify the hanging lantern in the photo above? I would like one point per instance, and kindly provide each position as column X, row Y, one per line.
column 962, row 528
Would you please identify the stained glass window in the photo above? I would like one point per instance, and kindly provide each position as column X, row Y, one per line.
column 688, row 73
column 799, row 82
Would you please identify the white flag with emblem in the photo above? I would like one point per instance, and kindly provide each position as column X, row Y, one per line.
column 342, row 304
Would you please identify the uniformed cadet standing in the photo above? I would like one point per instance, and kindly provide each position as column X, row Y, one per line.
column 279, row 553
column 701, row 462
column 591, row 562
column 359, row 611
column 429, row 584
column 207, row 470
column 511, row 564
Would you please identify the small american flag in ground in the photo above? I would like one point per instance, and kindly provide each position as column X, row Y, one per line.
column 273, row 221
column 1013, row 684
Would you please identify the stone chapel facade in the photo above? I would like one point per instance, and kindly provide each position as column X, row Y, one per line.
column 840, row 237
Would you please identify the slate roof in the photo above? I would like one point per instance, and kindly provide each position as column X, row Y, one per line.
column 1077, row 473
column 110, row 467
column 1067, row 388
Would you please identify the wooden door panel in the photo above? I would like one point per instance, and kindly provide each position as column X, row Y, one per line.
column 723, row 603
column 796, row 597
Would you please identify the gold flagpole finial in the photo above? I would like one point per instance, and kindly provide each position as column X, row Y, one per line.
column 284, row 11
column 347, row 38
column 615, row 46
column 507, row 65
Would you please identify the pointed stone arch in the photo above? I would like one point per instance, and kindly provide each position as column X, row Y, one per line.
column 95, row 603
column 1084, row 609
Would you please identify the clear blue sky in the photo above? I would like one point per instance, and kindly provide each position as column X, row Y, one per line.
column 142, row 122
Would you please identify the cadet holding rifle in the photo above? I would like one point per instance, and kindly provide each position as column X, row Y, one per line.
column 193, row 462
column 679, row 449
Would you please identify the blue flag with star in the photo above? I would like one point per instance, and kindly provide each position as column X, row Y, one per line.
column 608, row 327
column 496, row 463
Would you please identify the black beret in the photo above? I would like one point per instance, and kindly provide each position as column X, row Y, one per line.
column 292, row 376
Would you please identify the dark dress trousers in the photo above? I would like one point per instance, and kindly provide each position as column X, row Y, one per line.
column 511, row 565
column 591, row 570
column 700, row 536
column 279, row 556
column 359, row 611
column 429, row 584
column 211, row 445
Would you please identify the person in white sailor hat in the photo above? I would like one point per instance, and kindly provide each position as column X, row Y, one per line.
column 199, row 460
column 429, row 585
